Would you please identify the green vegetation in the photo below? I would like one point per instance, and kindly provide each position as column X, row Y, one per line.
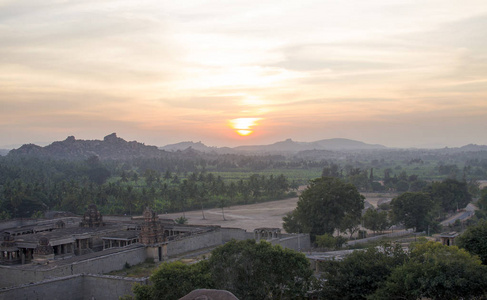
column 126, row 177
column 429, row 271
column 326, row 205
column 414, row 210
column 174, row 280
column 376, row 220
column 30, row 187
column 248, row 269
column 474, row 240
column 144, row 269
column 360, row 273
column 435, row 271
column 328, row 241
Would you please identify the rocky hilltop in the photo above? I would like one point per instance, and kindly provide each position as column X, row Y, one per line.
column 111, row 147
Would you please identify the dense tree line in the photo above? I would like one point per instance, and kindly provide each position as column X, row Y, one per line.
column 31, row 186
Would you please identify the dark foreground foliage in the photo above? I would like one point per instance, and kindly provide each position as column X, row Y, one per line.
column 248, row 269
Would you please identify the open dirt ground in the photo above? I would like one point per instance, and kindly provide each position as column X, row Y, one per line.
column 249, row 217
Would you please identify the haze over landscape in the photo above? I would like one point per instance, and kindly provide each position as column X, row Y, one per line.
column 395, row 73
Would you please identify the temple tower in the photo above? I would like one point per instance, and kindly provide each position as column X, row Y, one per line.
column 92, row 218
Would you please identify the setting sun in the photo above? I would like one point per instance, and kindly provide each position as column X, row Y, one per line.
column 243, row 126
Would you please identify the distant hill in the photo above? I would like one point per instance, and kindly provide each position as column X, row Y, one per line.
column 473, row 148
column 112, row 147
column 345, row 144
column 199, row 146
column 288, row 146
column 328, row 144
column 4, row 152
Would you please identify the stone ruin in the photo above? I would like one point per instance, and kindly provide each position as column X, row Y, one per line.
column 92, row 218
column 10, row 253
column 264, row 233
column 43, row 253
column 152, row 232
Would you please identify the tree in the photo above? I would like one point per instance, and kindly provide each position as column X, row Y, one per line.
column 174, row 280
column 252, row 270
column 360, row 273
column 413, row 210
column 450, row 194
column 435, row 271
column 328, row 241
column 375, row 220
column 349, row 224
column 332, row 171
column 482, row 202
column 323, row 206
column 402, row 186
column 474, row 240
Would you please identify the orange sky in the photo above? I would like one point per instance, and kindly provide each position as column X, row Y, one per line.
column 397, row 73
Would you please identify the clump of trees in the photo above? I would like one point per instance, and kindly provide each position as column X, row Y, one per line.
column 376, row 220
column 251, row 270
column 474, row 240
column 360, row 273
column 414, row 210
column 429, row 270
column 435, row 271
column 326, row 205
column 248, row 269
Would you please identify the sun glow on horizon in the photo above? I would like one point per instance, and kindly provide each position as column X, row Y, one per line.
column 243, row 126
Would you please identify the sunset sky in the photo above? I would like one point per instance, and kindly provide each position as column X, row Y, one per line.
column 398, row 73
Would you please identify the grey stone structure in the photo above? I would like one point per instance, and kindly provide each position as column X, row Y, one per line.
column 267, row 233
column 36, row 257
column 43, row 253
column 448, row 239
column 92, row 218
column 10, row 253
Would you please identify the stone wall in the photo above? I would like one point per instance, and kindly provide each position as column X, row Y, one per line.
column 194, row 242
column 298, row 242
column 69, row 221
column 290, row 241
column 75, row 287
column 16, row 275
column 235, row 233
column 113, row 218
column 102, row 287
column 59, row 288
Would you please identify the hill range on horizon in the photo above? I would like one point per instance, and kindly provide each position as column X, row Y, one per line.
column 114, row 147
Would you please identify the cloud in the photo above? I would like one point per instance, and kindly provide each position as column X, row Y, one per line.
column 183, row 68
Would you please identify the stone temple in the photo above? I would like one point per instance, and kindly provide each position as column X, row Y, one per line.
column 68, row 255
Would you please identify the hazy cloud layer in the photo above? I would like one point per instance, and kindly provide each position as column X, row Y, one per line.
column 399, row 73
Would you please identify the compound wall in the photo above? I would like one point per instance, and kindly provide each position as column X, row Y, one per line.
column 16, row 275
column 298, row 242
column 194, row 242
column 75, row 287
column 235, row 233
